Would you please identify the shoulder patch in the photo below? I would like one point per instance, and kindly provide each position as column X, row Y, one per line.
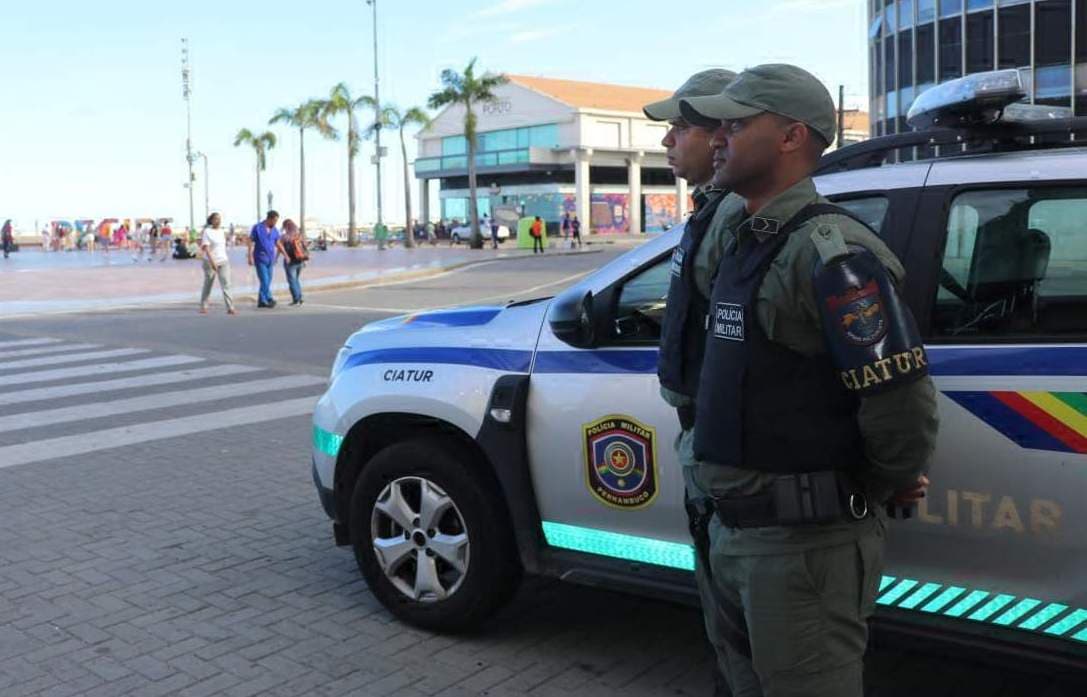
column 829, row 241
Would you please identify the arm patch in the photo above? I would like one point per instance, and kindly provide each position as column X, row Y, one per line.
column 870, row 333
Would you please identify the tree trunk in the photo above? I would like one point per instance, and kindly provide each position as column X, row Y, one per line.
column 473, row 210
column 352, row 235
column 302, row 182
column 258, row 190
column 409, row 232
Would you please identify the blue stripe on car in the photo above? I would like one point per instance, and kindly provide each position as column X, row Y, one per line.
column 510, row 360
column 989, row 360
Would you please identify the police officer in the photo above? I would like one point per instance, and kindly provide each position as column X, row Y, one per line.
column 693, row 261
column 814, row 405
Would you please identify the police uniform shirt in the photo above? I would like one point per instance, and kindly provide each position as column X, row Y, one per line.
column 706, row 260
column 899, row 425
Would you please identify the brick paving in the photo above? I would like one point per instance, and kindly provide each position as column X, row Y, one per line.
column 204, row 565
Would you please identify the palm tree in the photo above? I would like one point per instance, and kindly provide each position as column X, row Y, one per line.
column 467, row 89
column 393, row 117
column 308, row 114
column 340, row 101
column 261, row 144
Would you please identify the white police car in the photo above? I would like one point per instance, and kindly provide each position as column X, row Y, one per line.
column 456, row 449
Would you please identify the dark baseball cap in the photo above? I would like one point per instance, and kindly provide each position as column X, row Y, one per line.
column 704, row 83
column 775, row 87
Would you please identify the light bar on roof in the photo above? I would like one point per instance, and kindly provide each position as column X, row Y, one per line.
column 974, row 99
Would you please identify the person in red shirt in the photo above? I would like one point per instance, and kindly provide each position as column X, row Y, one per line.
column 537, row 232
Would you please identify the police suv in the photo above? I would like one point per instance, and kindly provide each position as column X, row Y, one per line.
column 456, row 449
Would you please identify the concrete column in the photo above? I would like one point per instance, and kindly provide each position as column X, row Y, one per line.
column 582, row 192
column 634, row 181
column 424, row 201
column 681, row 199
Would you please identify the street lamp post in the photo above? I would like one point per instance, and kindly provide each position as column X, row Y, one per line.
column 186, row 92
column 377, row 122
column 205, row 158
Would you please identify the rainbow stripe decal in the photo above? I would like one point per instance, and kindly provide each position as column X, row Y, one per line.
column 1036, row 420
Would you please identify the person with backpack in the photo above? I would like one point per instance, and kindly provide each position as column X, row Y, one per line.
column 537, row 235
column 296, row 258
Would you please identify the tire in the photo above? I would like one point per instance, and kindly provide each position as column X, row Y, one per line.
column 448, row 598
column 456, row 238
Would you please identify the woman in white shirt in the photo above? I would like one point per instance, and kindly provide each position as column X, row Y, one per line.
column 216, row 263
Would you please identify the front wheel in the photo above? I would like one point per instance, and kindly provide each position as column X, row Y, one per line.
column 431, row 537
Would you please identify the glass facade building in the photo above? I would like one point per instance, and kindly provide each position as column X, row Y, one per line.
column 915, row 44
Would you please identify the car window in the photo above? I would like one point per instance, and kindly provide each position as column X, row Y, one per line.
column 871, row 209
column 640, row 307
column 1014, row 264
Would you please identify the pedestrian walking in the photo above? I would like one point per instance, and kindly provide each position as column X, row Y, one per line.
column 537, row 232
column 294, row 259
column 430, row 237
column 47, row 240
column 264, row 248
column 575, row 230
column 494, row 233
column 7, row 237
column 565, row 226
column 216, row 263
column 791, row 464
column 166, row 237
column 153, row 240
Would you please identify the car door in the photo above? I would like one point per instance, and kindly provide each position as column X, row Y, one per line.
column 601, row 438
column 1000, row 539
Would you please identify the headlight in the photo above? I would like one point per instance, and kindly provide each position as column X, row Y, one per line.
column 337, row 364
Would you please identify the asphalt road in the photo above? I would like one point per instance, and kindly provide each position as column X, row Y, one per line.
column 178, row 547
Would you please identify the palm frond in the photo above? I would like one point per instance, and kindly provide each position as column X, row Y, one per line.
column 243, row 136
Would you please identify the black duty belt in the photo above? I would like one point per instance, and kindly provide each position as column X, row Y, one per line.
column 686, row 416
column 812, row 498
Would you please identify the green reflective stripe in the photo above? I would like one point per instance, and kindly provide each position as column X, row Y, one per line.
column 942, row 599
column 1016, row 611
column 327, row 442
column 919, row 596
column 1049, row 612
column 966, row 603
column 1069, row 622
column 904, row 586
column 904, row 593
column 991, row 608
column 620, row 546
column 1076, row 400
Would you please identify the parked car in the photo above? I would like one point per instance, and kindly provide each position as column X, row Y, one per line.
column 456, row 449
column 463, row 233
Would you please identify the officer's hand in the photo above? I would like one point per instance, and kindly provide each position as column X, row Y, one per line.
column 911, row 495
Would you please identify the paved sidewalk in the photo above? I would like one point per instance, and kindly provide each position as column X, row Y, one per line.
column 34, row 282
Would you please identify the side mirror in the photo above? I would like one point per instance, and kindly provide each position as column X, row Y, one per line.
column 571, row 318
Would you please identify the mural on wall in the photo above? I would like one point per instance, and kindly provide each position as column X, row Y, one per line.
column 608, row 212
column 660, row 212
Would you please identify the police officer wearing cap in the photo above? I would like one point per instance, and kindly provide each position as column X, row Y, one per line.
column 814, row 406
column 699, row 251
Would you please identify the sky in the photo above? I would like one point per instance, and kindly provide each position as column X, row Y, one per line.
column 92, row 120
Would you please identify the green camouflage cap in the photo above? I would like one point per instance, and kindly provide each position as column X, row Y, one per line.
column 775, row 87
column 700, row 84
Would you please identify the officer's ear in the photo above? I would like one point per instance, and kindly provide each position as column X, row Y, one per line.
column 795, row 136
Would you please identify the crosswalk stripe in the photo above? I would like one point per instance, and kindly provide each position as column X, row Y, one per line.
column 83, row 443
column 48, row 417
column 97, row 369
column 39, row 351
column 73, row 358
column 28, row 342
column 81, row 388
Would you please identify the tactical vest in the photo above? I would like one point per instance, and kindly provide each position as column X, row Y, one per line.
column 762, row 406
column 683, row 329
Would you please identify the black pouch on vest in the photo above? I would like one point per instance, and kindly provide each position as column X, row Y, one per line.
column 807, row 499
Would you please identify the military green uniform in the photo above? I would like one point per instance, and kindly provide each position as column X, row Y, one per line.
column 707, row 256
column 806, row 591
